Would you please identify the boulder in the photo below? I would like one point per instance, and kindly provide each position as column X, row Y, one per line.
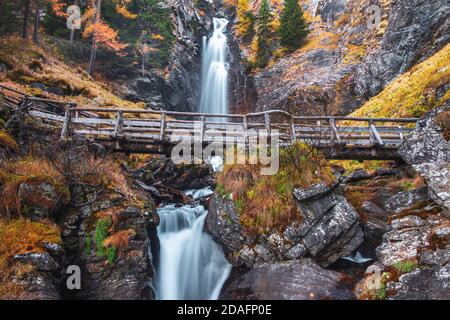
column 293, row 280
column 41, row 199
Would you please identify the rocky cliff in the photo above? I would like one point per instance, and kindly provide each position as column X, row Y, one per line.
column 346, row 59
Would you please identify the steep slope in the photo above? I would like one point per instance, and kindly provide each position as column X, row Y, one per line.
column 424, row 87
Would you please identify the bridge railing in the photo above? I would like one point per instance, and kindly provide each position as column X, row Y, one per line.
column 159, row 126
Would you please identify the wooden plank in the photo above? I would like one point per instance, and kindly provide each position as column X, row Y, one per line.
column 48, row 116
column 89, row 121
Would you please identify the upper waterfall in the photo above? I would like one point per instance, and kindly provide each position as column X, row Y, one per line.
column 214, row 98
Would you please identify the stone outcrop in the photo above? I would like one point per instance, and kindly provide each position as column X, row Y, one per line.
column 294, row 280
column 329, row 231
column 428, row 153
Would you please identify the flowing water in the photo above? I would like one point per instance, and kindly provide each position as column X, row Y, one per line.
column 191, row 265
column 214, row 98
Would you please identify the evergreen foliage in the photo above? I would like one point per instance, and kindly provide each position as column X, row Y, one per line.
column 264, row 34
column 293, row 27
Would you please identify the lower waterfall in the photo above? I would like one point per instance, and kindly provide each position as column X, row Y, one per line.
column 191, row 265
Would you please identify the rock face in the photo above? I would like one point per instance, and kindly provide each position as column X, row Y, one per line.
column 329, row 231
column 346, row 61
column 294, row 280
column 428, row 153
column 416, row 29
column 180, row 87
column 127, row 275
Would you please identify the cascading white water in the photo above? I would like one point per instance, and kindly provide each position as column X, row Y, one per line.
column 214, row 98
column 191, row 265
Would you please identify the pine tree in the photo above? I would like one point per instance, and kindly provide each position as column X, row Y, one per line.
column 264, row 34
column 293, row 27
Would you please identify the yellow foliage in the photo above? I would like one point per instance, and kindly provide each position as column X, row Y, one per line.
column 413, row 93
column 23, row 236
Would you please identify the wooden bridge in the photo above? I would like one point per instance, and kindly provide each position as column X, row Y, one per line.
column 153, row 131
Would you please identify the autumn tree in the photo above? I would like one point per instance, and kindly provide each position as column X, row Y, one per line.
column 99, row 31
column 264, row 34
column 293, row 27
column 246, row 19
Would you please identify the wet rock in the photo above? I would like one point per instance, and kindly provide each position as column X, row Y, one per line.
column 426, row 284
column 181, row 177
column 294, row 280
column 54, row 249
column 358, row 175
column 428, row 153
column 41, row 200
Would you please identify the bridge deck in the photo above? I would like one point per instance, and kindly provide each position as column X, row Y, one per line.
column 153, row 131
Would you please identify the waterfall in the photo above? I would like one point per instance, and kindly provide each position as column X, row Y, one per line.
column 191, row 265
column 214, row 97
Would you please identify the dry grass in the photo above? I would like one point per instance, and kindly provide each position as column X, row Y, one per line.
column 119, row 240
column 29, row 170
column 8, row 142
column 266, row 203
column 30, row 63
column 20, row 236
column 413, row 93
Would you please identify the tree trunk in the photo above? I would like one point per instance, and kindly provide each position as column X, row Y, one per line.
column 97, row 4
column 26, row 18
column 37, row 17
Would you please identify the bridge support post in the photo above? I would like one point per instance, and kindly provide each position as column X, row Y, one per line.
column 118, row 130
column 163, row 127
column 66, row 125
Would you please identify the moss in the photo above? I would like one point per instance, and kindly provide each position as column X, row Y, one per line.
column 405, row 266
column 111, row 253
column 101, row 232
column 414, row 93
